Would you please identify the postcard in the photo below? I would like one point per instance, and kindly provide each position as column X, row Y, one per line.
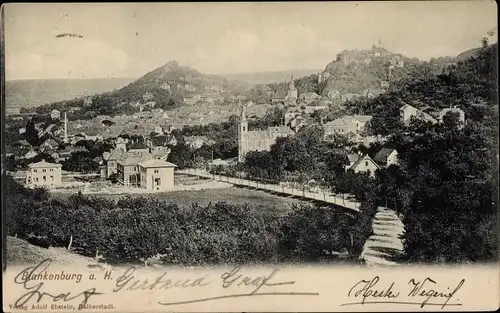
column 250, row 157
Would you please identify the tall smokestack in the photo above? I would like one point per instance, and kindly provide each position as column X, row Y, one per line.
column 65, row 126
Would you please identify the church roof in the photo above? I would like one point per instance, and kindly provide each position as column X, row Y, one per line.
column 280, row 94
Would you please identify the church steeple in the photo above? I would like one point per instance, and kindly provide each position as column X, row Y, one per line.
column 243, row 116
column 292, row 84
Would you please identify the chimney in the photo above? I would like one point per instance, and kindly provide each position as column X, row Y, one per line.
column 65, row 126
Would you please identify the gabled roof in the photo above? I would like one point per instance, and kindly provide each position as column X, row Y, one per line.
column 406, row 106
column 382, row 155
column 363, row 118
column 134, row 158
column 156, row 163
column 44, row 164
column 353, row 157
column 342, row 121
column 280, row 94
column 364, row 158
column 116, row 154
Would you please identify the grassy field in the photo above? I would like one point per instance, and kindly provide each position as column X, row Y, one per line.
column 233, row 195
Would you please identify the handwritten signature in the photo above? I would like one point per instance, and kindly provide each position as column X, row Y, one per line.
column 229, row 280
column 34, row 290
column 418, row 290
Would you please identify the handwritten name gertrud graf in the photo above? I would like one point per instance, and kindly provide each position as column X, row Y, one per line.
column 418, row 292
column 229, row 280
column 35, row 293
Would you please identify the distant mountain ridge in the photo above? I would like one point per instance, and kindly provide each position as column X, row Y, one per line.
column 36, row 92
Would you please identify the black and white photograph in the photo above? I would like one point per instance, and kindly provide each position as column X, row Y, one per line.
column 361, row 135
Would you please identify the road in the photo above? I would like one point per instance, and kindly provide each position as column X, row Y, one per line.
column 318, row 196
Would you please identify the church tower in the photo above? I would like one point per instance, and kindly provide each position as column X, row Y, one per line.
column 242, row 131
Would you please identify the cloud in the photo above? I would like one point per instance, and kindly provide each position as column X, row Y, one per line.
column 67, row 58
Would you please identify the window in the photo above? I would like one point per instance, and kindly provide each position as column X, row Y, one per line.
column 36, row 178
column 44, row 170
column 366, row 163
column 51, row 178
column 35, row 170
column 51, row 170
column 44, row 178
column 156, row 171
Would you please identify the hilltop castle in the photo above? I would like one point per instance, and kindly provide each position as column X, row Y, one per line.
column 257, row 140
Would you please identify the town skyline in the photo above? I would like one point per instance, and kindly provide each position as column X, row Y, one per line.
column 129, row 40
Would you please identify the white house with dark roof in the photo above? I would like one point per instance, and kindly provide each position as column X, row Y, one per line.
column 44, row 174
column 365, row 164
column 407, row 112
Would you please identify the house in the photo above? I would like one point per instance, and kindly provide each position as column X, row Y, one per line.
column 196, row 142
column 94, row 138
column 23, row 143
column 30, row 154
column 342, row 126
column 386, row 157
column 313, row 108
column 115, row 155
column 55, row 114
column 127, row 168
column 349, row 124
column 309, row 97
column 156, row 175
column 350, row 97
column 407, row 112
column 172, row 141
column 365, row 164
column 22, row 130
column 50, row 144
column 352, row 158
column 44, row 174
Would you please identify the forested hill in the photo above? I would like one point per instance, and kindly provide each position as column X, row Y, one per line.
column 164, row 87
column 470, row 84
column 356, row 71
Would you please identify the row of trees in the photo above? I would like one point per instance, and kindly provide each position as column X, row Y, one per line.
column 139, row 228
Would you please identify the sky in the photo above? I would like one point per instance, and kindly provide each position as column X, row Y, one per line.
column 131, row 39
